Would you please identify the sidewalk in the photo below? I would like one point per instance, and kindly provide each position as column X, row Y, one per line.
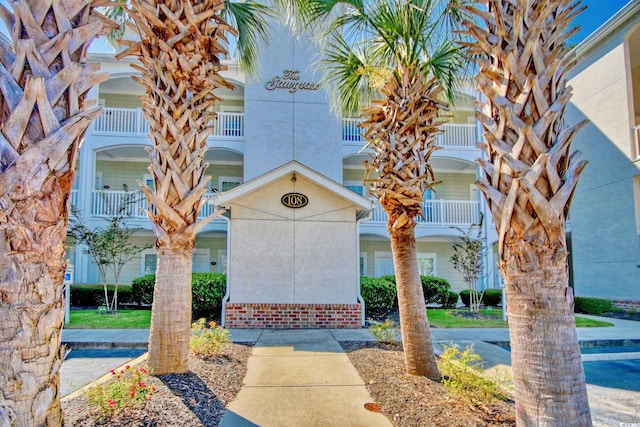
column 304, row 374
column 296, row 375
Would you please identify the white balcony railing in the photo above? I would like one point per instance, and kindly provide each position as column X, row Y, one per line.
column 636, row 135
column 104, row 202
column 130, row 121
column 440, row 212
column 454, row 135
column 122, row 121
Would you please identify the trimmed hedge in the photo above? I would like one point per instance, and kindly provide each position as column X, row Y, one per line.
column 207, row 289
column 452, row 300
column 591, row 305
column 436, row 290
column 93, row 295
column 379, row 294
column 465, row 297
column 492, row 297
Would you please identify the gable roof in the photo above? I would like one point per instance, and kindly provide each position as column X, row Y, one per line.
column 363, row 204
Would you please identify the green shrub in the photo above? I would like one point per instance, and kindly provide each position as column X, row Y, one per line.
column 207, row 289
column 591, row 305
column 207, row 341
column 142, row 289
column 492, row 297
column 93, row 295
column 436, row 290
column 452, row 300
column 385, row 332
column 463, row 376
column 465, row 296
column 379, row 294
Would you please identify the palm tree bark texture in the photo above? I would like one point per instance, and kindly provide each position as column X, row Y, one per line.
column 179, row 68
column 529, row 178
column 401, row 129
column 44, row 79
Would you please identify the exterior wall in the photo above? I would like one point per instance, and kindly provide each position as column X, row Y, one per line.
column 296, row 316
column 454, row 186
column 605, row 246
column 443, row 251
column 281, row 126
column 121, row 101
column 117, row 174
column 284, row 255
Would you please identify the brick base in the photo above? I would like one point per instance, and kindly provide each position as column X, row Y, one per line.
column 239, row 315
column 626, row 304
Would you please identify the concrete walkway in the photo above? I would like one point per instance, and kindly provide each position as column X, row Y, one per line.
column 297, row 376
column 301, row 377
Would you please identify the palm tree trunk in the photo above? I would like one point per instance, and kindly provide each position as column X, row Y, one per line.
column 171, row 315
column 416, row 336
column 44, row 114
column 546, row 361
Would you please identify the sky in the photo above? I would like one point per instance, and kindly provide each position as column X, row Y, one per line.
column 596, row 14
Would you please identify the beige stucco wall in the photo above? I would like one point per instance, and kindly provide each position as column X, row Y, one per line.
column 283, row 255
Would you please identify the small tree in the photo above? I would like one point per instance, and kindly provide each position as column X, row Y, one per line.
column 467, row 260
column 110, row 248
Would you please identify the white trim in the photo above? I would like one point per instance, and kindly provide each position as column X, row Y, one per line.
column 363, row 204
column 363, row 258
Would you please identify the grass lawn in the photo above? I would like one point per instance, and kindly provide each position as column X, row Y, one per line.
column 447, row 319
column 122, row 319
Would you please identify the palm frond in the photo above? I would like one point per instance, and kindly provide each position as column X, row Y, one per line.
column 250, row 19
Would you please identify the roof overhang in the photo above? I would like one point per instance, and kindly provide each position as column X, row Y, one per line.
column 363, row 205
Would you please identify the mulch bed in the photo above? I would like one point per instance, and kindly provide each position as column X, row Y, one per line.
column 199, row 397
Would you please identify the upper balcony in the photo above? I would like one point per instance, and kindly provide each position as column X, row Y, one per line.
column 130, row 121
column 454, row 136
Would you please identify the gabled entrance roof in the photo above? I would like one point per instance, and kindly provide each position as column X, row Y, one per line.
column 363, row 204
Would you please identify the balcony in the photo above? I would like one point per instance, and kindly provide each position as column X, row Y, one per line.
column 130, row 121
column 104, row 203
column 454, row 136
column 440, row 213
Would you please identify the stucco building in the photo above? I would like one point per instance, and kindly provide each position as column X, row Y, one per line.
column 275, row 135
column 605, row 215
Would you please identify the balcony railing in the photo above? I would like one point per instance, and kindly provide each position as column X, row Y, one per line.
column 440, row 212
column 454, row 135
column 105, row 202
column 130, row 121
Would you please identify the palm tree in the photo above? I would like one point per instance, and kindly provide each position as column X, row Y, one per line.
column 394, row 53
column 44, row 80
column 529, row 177
column 180, row 46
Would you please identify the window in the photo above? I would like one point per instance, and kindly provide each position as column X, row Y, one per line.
column 363, row 264
column 98, row 180
column 226, row 183
column 222, row 261
column 384, row 264
column 636, row 196
column 200, row 262
column 357, row 187
column 147, row 178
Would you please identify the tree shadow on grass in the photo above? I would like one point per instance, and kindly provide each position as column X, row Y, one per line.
column 196, row 396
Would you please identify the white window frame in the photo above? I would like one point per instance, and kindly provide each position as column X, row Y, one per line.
column 363, row 264
column 154, row 252
column 222, row 179
column 421, row 255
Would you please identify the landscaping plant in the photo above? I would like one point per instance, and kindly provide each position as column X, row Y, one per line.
column 463, row 375
column 207, row 338
column 127, row 387
column 385, row 332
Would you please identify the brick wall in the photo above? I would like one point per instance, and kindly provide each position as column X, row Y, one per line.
column 626, row 304
column 238, row 315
